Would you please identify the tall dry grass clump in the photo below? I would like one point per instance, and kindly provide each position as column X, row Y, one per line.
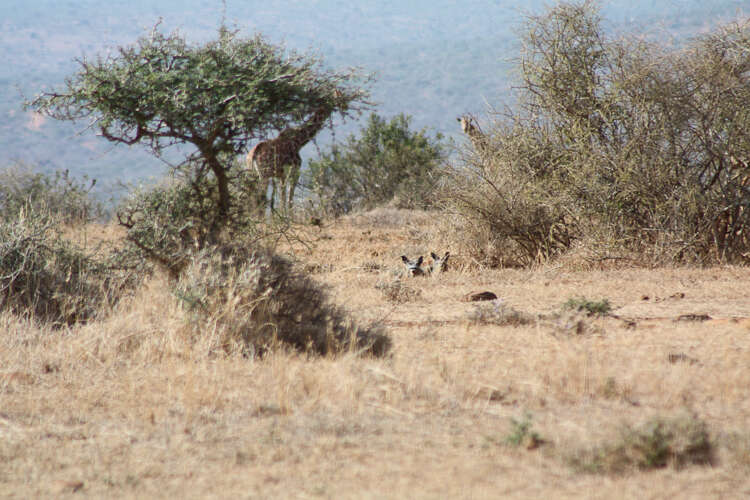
column 49, row 279
column 616, row 143
column 253, row 300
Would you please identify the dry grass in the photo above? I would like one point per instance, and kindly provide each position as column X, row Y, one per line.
column 135, row 406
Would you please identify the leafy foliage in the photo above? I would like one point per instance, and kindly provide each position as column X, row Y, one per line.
column 522, row 435
column 590, row 307
column 168, row 223
column 388, row 161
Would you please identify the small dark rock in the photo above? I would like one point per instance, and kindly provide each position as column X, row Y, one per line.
column 478, row 296
column 693, row 317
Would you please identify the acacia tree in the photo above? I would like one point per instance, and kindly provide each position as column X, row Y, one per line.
column 214, row 97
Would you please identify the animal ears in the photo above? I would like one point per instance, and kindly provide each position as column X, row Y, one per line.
column 416, row 263
column 435, row 256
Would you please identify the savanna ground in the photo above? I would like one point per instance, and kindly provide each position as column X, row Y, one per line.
column 130, row 407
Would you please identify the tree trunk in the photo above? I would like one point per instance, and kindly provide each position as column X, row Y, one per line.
column 222, row 184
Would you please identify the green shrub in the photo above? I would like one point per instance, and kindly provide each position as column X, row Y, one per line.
column 58, row 194
column 616, row 142
column 387, row 162
column 49, row 279
column 590, row 307
column 257, row 301
column 522, row 435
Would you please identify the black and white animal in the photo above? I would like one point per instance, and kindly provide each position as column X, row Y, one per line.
column 439, row 264
column 413, row 267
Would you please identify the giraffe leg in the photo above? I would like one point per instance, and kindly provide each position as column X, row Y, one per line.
column 282, row 193
column 286, row 189
column 273, row 192
column 285, row 196
column 293, row 180
column 291, row 177
column 262, row 190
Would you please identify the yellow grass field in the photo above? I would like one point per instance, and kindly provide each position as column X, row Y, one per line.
column 129, row 407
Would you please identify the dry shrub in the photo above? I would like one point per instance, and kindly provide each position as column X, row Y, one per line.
column 497, row 313
column 398, row 292
column 616, row 142
column 678, row 442
column 499, row 215
column 49, row 279
column 255, row 301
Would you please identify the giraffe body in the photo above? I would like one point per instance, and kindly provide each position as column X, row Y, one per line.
column 279, row 159
column 273, row 160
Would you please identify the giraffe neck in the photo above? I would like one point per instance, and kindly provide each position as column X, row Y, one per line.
column 297, row 137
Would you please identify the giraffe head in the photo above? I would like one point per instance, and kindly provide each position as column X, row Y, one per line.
column 439, row 264
column 468, row 124
column 413, row 267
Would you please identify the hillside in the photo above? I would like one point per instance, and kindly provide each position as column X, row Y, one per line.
column 433, row 60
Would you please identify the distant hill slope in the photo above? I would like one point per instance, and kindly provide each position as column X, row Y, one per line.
column 433, row 59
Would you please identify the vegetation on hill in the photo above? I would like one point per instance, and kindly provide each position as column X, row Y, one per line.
column 44, row 276
column 22, row 188
column 434, row 60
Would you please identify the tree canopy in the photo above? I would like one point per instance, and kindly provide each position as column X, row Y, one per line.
column 217, row 97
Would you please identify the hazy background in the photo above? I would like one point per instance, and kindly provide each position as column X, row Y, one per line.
column 433, row 59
